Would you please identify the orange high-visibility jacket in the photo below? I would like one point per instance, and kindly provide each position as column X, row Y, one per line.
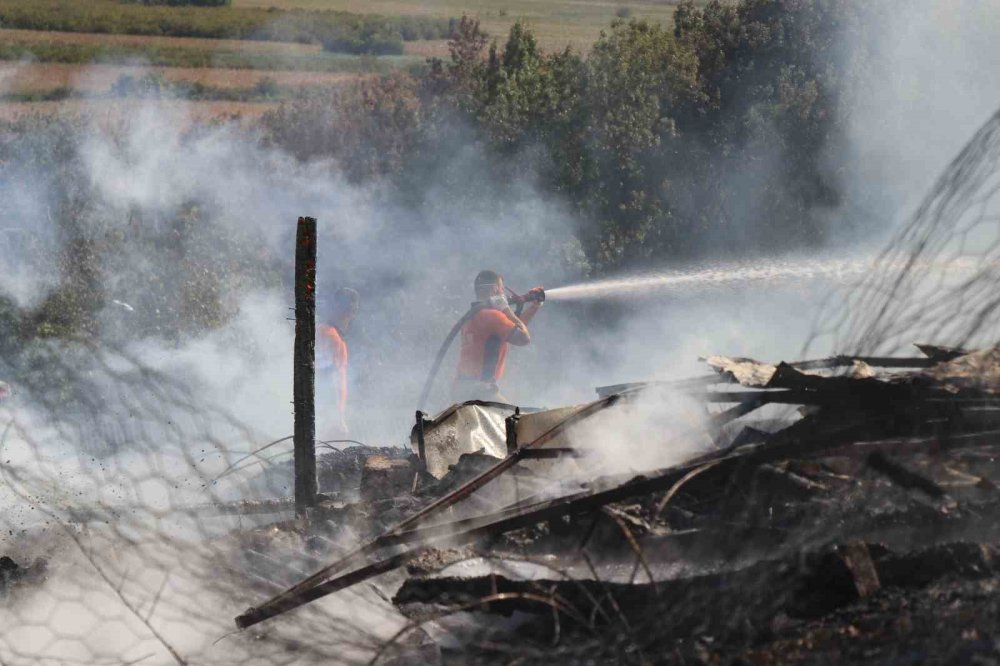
column 337, row 348
column 484, row 346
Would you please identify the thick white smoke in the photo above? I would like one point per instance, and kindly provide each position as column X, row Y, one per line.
column 929, row 84
column 932, row 84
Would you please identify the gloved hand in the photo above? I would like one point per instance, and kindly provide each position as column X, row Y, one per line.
column 536, row 295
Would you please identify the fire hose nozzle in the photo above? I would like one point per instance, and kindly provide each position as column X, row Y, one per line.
column 537, row 295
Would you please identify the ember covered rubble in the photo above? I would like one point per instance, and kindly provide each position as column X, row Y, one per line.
column 846, row 496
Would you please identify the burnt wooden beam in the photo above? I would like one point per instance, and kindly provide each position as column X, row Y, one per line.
column 917, row 444
column 939, row 354
column 679, row 384
column 844, row 361
column 902, row 476
column 858, row 560
column 549, row 454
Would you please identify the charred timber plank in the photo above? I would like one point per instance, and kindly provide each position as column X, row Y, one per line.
column 902, row 476
column 733, row 413
column 962, row 559
column 787, row 376
column 691, row 382
column 761, row 398
column 253, row 616
column 801, row 585
column 749, row 436
column 796, row 483
column 939, row 354
column 910, row 445
column 755, row 374
column 550, row 454
column 843, row 361
column 859, row 562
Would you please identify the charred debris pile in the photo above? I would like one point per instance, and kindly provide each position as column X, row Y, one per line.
column 845, row 509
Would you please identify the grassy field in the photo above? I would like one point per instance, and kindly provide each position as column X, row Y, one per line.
column 18, row 78
column 430, row 48
column 70, row 64
column 338, row 31
column 225, row 77
column 557, row 23
column 71, row 48
column 191, row 51
column 186, row 112
column 51, row 37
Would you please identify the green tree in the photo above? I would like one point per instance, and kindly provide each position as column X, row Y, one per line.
column 639, row 79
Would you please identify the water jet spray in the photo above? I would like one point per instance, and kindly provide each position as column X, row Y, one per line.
column 838, row 270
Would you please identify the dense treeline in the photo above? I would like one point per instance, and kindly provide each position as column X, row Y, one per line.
column 338, row 31
column 713, row 136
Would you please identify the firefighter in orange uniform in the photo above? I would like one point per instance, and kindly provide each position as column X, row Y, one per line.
column 332, row 355
column 486, row 337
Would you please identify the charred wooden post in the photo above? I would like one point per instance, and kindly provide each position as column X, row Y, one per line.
column 510, row 423
column 304, row 373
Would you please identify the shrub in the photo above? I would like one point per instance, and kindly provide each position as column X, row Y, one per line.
column 369, row 38
column 173, row 265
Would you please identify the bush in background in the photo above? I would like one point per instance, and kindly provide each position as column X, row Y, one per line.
column 344, row 32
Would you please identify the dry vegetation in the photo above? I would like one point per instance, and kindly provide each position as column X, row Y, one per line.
column 427, row 48
column 34, row 37
column 36, row 77
column 232, row 64
column 363, row 30
column 110, row 109
column 165, row 53
column 556, row 23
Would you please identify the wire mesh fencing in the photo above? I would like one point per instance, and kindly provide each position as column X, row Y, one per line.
column 139, row 519
column 938, row 279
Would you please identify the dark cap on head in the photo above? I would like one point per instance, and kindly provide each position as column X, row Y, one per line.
column 486, row 279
